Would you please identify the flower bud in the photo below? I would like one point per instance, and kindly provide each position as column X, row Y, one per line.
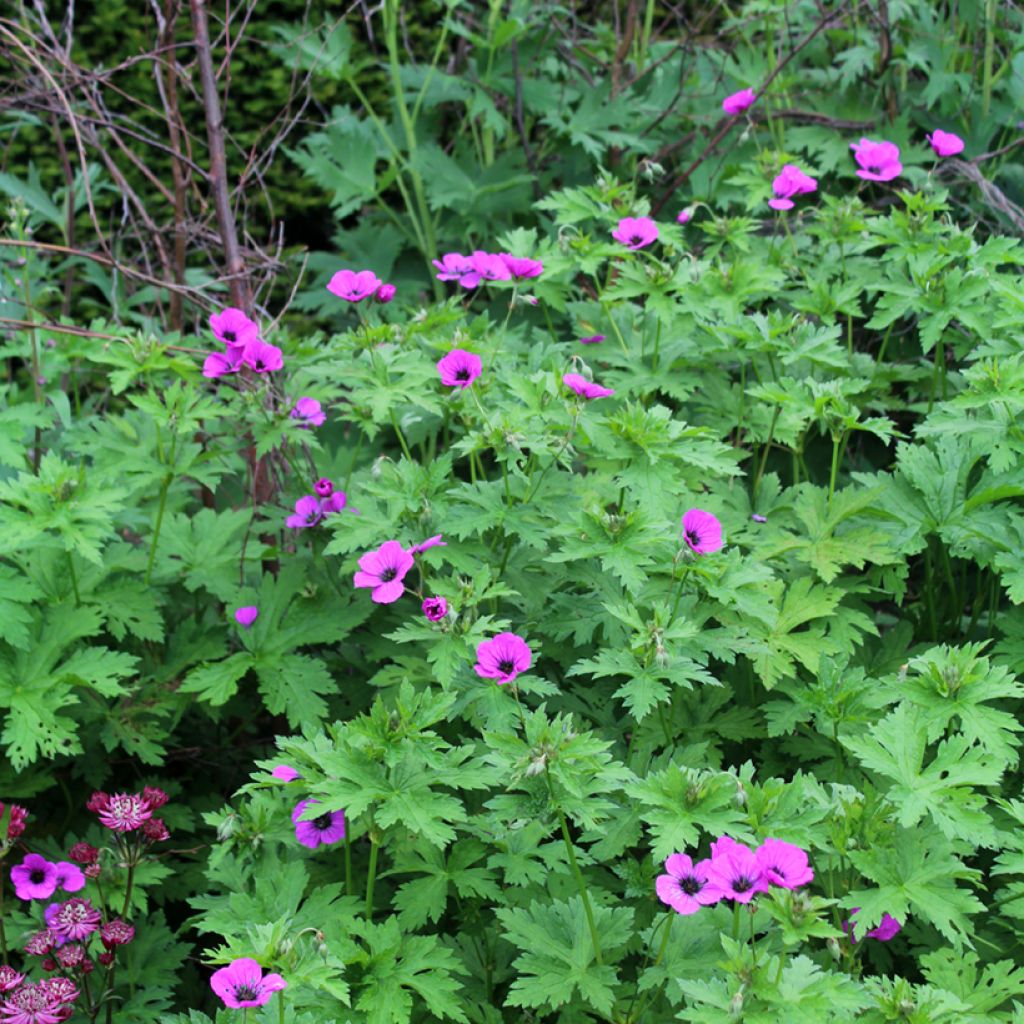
column 385, row 293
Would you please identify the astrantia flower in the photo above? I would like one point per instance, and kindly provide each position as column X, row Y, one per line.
column 520, row 267
column 242, row 984
column 789, row 182
column 329, row 827
column 307, row 513
column 35, row 878
column 702, row 531
column 125, row 812
column 503, row 657
column 354, row 286
column 16, row 818
column 285, row 773
column 737, row 102
column 426, row 545
column 453, row 266
column 261, row 357
column 736, row 872
column 32, row 1004
column 490, row 266
column 155, row 830
column 636, row 232
column 309, row 412
column 116, row 933
column 233, row 328
column 887, row 928
column 62, row 990
column 50, row 940
column 384, row 570
column 945, row 143
column 154, row 797
column 878, row 161
column 686, row 888
column 75, row 919
column 69, row 876
column 41, row 943
column 70, row 956
column 84, row 853
column 9, row 978
column 784, row 864
column 592, row 339
column 459, row 368
column 385, row 293
column 246, row 615
column 435, row 608
column 585, row 388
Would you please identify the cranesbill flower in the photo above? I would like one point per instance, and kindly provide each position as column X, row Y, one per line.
column 435, row 608
column 309, row 412
column 585, row 388
column 490, row 266
column 784, row 864
column 32, row 1004
column 233, row 328
column 35, row 878
column 636, row 232
column 592, row 339
column 324, row 487
column 684, row 216
column 789, row 182
column 246, row 615
column 76, row 919
column 520, row 267
column 307, row 513
column 459, row 368
column 453, row 266
column 887, row 928
column 334, row 502
column 737, row 102
column 503, row 658
column 9, row 978
column 69, row 876
column 285, row 773
column 426, row 545
column 945, row 143
column 736, row 872
column 702, row 531
column 261, row 357
column 354, row 286
column 218, row 364
column 329, row 827
column 685, row 888
column 878, row 161
column 385, row 293
column 125, row 812
column 242, row 984
column 384, row 570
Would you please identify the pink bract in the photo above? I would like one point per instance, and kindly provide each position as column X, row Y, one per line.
column 384, row 570
column 702, row 531
column 878, row 161
column 353, row 285
column 784, row 864
column 737, row 102
column 503, row 657
column 636, row 232
column 243, row 984
column 459, row 368
column 685, row 887
column 585, row 388
column 328, row 828
column 945, row 143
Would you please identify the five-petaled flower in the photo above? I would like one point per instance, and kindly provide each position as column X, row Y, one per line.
column 242, row 983
column 784, row 864
column 521, row 267
column 737, row 102
column 636, row 232
column 307, row 513
column 585, row 388
column 887, row 928
column 503, row 657
column 459, row 368
column 685, row 887
column 35, row 878
column 326, row 828
column 945, row 143
column 490, row 266
column 702, row 531
column 877, row 161
column 246, row 615
column 791, row 181
column 453, row 266
column 233, row 328
column 735, row 871
column 308, row 412
column 384, row 570
column 353, row 285
column 435, row 608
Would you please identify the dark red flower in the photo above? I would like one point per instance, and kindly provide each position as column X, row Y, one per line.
column 84, row 853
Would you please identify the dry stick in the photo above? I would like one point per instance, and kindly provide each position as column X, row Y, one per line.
column 81, row 332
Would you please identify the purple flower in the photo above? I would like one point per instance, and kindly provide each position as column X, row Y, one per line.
column 878, row 161
column 242, row 984
column 9, row 978
column 384, row 570
column 684, row 216
column 520, row 267
column 435, row 608
column 702, row 531
column 52, row 940
column 686, row 888
column 233, row 328
column 592, row 339
column 490, row 266
column 285, row 773
column 736, row 872
column 737, row 102
column 945, row 143
column 309, row 411
column 426, row 545
column 503, row 657
column 385, row 293
column 636, row 232
column 459, row 368
column 246, row 616
column 334, row 502
column 124, row 812
column 887, row 928
column 35, row 878
column 453, row 266
column 218, row 364
column 307, row 513
column 76, row 919
column 354, row 286
column 585, row 388
column 324, row 487
column 261, row 357
column 784, row 864
column 759, row 519
column 329, row 827
column 69, row 876
column 790, row 181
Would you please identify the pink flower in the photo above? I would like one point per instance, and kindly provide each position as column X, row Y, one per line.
column 9, row 978
column 435, row 608
column 246, row 615
column 35, row 878
column 459, row 368
column 116, row 933
column 790, row 182
column 736, row 873
column 261, row 357
column 585, row 388
column 686, row 888
column 592, row 339
column 385, row 293
column 945, row 143
column 887, row 928
column 636, row 232
column 702, row 531
column 34, row 1004
column 684, row 216
column 329, row 827
column 453, row 266
column 309, row 411
column 334, row 502
column 503, row 657
column 75, row 919
column 878, row 161
column 384, row 570
column 324, row 487
column 242, row 984
column 426, row 545
column 69, row 876
column 354, row 286
column 737, row 102
column 784, row 864
column 15, row 820
column 219, row 364
column 307, row 513
column 490, row 266
column 125, row 812
column 233, row 328
column 285, row 773
column 520, row 267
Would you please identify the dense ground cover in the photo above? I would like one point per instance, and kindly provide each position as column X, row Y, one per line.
column 591, row 593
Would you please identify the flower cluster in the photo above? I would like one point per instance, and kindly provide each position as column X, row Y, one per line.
column 310, row 509
column 473, row 270
column 128, row 812
column 43, row 1002
column 243, row 346
column 15, row 823
column 356, row 285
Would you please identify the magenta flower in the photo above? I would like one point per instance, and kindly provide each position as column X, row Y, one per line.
column 784, row 864
column 219, row 364
column 702, row 531
column 69, row 876
column 324, row 487
column 490, row 266
column 354, row 286
column 737, row 102
column 41, row 943
column 684, row 216
column 125, row 812
column 285, row 773
column 307, row 513
column 233, row 328
column 246, row 615
column 334, row 502
column 35, row 1004
column 435, row 608
column 592, row 339
column 878, row 161
column 329, row 827
column 736, row 872
column 51, row 940
column 426, row 545
column 384, row 570
column 459, row 368
column 309, row 412
column 453, row 266
column 790, row 182
column 16, row 819
column 116, row 933
column 759, row 518
column 385, row 293
column 242, row 984
column 35, row 878
column 503, row 657
column 887, row 928
column 261, row 357
column 636, row 232
column 9, row 978
column 585, row 388
column 686, row 888
column 945, row 143
column 75, row 920
column 520, row 267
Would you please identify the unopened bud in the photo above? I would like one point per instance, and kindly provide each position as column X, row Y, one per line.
column 833, row 949
column 227, row 828
column 736, row 1004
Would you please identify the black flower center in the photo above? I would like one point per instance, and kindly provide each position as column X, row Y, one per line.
column 691, row 885
column 323, row 822
column 37, row 877
column 693, row 537
column 462, row 375
column 230, row 336
column 635, row 239
column 246, row 992
column 388, row 575
column 506, row 666
column 742, row 884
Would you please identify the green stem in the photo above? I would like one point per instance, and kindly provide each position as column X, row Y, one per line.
column 74, row 578
column 348, row 864
column 280, row 1007
column 164, row 488
column 986, row 73
column 630, row 1016
column 371, row 876
column 837, row 440
column 764, row 451
column 401, row 437
column 3, row 934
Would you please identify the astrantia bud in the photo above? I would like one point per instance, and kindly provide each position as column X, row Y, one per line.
column 92, row 870
column 98, row 802
column 49, row 964
column 154, row 797
column 155, row 830
column 84, row 853
column 106, row 959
